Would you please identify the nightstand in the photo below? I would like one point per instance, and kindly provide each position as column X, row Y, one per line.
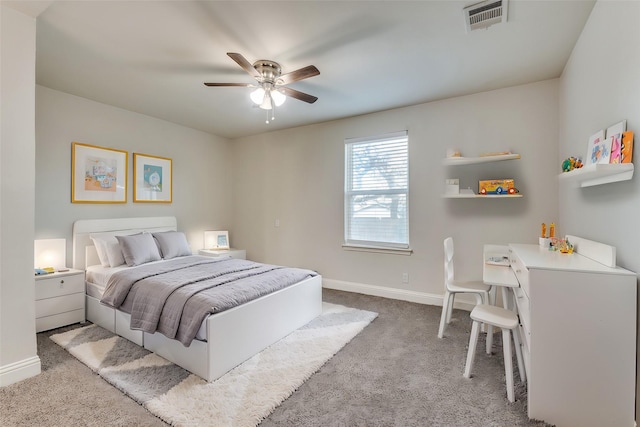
column 59, row 299
column 233, row 253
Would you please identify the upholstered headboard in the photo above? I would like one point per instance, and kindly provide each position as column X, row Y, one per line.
column 83, row 250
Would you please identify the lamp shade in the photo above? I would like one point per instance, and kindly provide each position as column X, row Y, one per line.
column 257, row 96
column 278, row 97
column 50, row 253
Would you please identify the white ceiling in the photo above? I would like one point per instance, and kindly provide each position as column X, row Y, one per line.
column 153, row 57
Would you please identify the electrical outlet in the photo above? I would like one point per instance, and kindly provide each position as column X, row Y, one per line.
column 405, row 277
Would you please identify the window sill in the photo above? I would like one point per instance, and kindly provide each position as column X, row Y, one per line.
column 378, row 249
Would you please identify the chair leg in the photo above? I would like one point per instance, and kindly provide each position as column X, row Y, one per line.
column 443, row 316
column 471, row 353
column 452, row 300
column 489, row 338
column 517, row 341
column 508, row 364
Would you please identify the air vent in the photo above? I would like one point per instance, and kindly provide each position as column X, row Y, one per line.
column 484, row 14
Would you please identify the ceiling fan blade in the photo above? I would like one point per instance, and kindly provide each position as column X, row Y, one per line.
column 302, row 73
column 299, row 95
column 228, row 84
column 246, row 65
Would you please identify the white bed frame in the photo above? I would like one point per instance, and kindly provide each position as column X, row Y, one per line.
column 233, row 336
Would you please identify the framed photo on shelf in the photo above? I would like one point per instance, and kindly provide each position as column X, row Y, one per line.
column 152, row 179
column 99, row 174
column 216, row 240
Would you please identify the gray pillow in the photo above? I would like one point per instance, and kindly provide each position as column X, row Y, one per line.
column 138, row 249
column 172, row 244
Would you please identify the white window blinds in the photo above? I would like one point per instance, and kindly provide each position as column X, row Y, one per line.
column 377, row 190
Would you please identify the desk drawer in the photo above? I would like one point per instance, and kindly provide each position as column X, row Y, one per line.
column 522, row 273
column 524, row 312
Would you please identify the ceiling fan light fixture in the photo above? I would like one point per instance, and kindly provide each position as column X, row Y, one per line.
column 278, row 97
column 267, row 103
column 257, row 96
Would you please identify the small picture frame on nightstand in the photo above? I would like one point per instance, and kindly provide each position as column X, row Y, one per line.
column 216, row 240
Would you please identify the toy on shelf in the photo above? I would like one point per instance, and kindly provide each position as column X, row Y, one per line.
column 571, row 163
column 497, row 186
column 562, row 245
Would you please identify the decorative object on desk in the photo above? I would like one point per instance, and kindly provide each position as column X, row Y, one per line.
column 99, row 174
column 626, row 150
column 501, row 260
column 544, row 242
column 571, row 163
column 495, row 186
column 562, row 245
column 552, row 230
column 543, row 234
column 152, row 179
column 216, row 239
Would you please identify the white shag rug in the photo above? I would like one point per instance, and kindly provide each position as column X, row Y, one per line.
column 242, row 397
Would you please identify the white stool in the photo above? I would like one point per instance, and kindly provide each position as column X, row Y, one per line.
column 507, row 320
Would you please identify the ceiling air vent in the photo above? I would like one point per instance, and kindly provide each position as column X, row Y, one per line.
column 484, row 14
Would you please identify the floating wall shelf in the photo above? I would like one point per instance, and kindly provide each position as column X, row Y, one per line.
column 472, row 195
column 459, row 161
column 597, row 174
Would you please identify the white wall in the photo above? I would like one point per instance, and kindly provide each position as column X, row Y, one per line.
column 18, row 358
column 600, row 86
column 201, row 170
column 297, row 176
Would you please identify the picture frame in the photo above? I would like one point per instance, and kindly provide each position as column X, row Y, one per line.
column 594, row 147
column 152, row 179
column 99, row 174
column 216, row 240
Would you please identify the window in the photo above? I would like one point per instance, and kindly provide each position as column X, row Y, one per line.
column 376, row 191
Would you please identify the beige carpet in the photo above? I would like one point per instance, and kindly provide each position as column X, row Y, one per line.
column 243, row 397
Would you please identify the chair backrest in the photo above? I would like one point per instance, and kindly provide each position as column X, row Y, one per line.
column 448, row 261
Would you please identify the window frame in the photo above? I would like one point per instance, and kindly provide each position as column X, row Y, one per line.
column 374, row 245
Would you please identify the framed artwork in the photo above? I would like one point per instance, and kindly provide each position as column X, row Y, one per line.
column 152, row 179
column 216, row 240
column 99, row 175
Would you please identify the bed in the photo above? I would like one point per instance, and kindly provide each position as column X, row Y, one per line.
column 224, row 339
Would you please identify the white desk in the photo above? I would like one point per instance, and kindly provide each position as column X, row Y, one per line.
column 501, row 276
column 578, row 320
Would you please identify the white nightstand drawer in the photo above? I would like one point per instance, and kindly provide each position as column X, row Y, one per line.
column 57, row 305
column 59, row 284
column 58, row 320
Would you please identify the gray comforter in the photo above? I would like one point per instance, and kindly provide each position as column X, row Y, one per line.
column 174, row 297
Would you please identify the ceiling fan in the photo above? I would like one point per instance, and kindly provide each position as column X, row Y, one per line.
column 271, row 89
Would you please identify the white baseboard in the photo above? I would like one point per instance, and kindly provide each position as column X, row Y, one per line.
column 394, row 293
column 18, row 371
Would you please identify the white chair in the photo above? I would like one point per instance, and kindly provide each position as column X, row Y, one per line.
column 507, row 320
column 453, row 287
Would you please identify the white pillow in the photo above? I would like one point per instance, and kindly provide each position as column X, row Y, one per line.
column 172, row 244
column 108, row 250
column 138, row 249
column 100, row 242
